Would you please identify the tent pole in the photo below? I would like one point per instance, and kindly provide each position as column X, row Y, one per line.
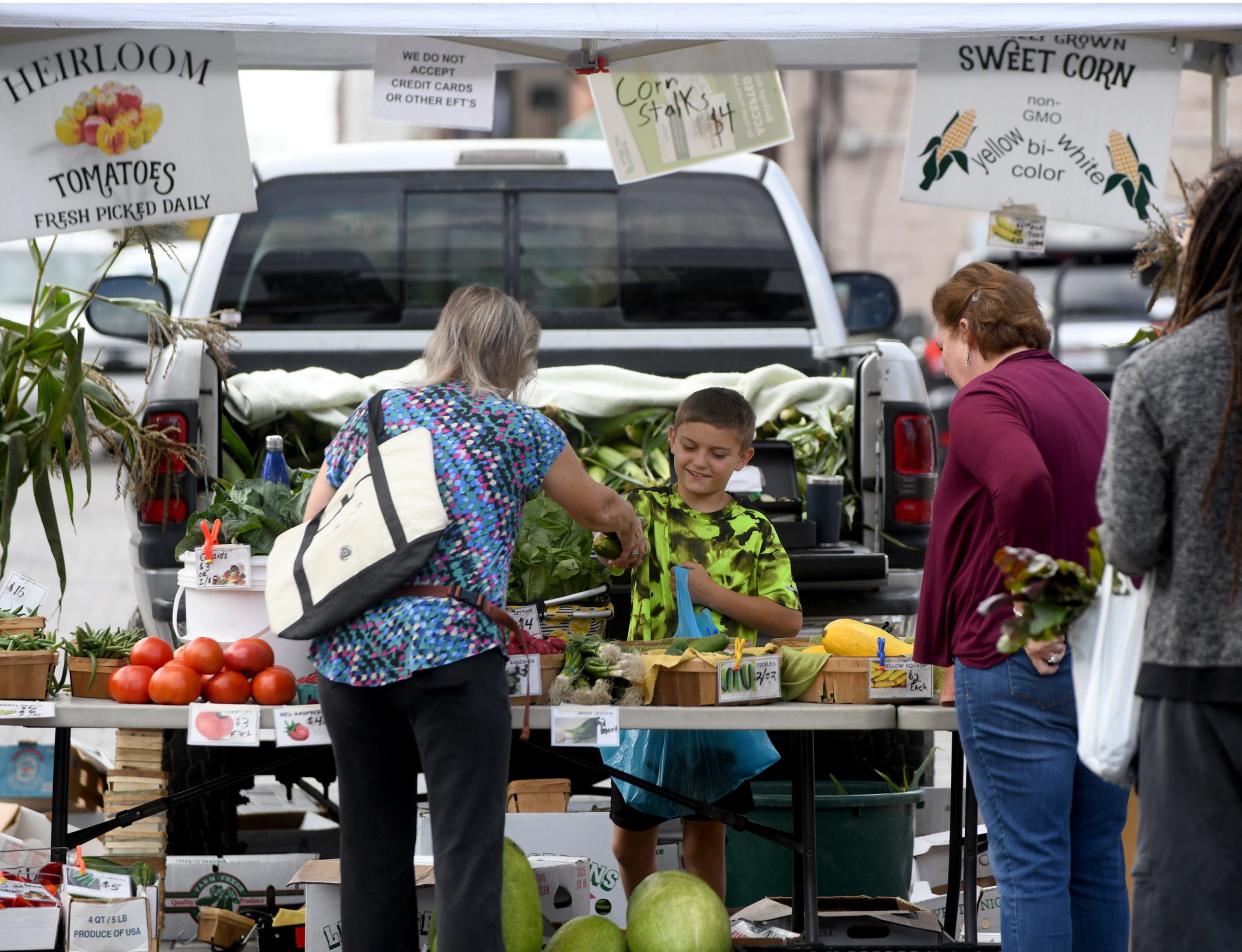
column 1220, row 104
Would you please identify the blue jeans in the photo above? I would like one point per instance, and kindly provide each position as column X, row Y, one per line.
column 1054, row 828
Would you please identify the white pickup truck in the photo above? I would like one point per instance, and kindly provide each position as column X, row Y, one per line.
column 353, row 250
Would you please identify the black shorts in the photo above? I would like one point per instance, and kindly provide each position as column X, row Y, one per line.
column 627, row 817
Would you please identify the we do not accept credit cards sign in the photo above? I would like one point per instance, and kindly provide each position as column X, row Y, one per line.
column 107, row 130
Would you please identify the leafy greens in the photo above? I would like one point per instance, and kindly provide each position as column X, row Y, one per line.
column 552, row 556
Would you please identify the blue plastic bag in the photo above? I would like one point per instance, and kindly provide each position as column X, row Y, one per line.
column 704, row 765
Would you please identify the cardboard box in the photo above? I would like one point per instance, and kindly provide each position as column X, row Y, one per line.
column 24, row 836
column 107, row 925
column 564, row 889
column 232, row 882
column 987, row 905
column 931, row 862
column 321, row 881
column 857, row 921
column 28, row 928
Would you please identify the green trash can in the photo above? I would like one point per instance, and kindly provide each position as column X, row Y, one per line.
column 864, row 843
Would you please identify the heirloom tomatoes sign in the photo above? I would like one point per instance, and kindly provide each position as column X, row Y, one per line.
column 107, row 130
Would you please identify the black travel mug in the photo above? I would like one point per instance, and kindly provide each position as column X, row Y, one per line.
column 823, row 507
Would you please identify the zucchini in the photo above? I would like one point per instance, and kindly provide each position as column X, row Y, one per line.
column 724, row 679
column 748, row 676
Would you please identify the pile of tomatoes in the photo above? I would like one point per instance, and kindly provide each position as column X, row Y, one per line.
column 202, row 669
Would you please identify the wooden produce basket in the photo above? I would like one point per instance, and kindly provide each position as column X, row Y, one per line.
column 23, row 674
column 550, row 666
column 222, row 928
column 693, row 683
column 841, row 681
column 80, row 681
column 21, row 626
column 538, row 796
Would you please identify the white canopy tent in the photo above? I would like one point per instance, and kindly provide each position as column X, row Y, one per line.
column 823, row 36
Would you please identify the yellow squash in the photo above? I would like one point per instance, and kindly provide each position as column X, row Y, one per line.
column 853, row 639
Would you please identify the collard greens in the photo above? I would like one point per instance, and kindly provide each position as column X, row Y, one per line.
column 251, row 512
column 552, row 556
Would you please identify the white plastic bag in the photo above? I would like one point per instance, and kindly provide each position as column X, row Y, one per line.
column 1108, row 651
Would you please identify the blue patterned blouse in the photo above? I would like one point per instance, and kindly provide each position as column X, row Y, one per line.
column 490, row 455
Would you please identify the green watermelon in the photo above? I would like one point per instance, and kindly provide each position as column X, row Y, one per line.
column 588, row 934
column 675, row 912
column 522, row 919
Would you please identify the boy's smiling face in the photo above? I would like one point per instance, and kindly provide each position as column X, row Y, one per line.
column 704, row 458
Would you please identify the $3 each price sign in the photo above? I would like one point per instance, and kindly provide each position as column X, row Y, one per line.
column 300, row 726
column 223, row 725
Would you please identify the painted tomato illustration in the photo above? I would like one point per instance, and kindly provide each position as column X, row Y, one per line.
column 113, row 118
column 213, row 726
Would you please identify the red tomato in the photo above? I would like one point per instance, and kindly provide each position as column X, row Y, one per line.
column 175, row 683
column 154, row 653
column 275, row 685
column 204, row 656
column 249, row 656
column 203, row 679
column 128, row 685
column 228, row 687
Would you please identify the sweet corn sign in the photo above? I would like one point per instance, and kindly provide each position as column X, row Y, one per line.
column 121, row 128
column 1077, row 125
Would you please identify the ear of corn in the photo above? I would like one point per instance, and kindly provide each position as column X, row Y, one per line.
column 956, row 135
column 1123, row 158
column 854, row 639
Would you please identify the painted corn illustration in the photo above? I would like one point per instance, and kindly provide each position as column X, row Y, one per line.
column 1128, row 172
column 948, row 148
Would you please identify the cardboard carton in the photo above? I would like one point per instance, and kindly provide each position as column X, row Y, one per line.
column 857, row 921
column 321, row 881
column 230, row 882
column 931, row 862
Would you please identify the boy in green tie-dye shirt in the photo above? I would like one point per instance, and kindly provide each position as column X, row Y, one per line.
column 738, row 569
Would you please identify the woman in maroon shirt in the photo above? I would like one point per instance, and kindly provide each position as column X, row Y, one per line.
column 1028, row 436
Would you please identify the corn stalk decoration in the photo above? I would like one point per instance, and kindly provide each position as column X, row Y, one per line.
column 948, row 148
column 1128, row 172
column 54, row 404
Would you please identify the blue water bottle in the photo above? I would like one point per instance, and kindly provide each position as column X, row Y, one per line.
column 275, row 469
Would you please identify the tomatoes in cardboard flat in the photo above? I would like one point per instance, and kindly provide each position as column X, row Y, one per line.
column 249, row 656
column 204, row 655
column 228, row 687
column 175, row 683
column 151, row 652
column 274, row 685
column 128, row 685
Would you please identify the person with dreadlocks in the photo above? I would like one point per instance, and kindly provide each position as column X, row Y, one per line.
column 1170, row 494
column 1028, row 435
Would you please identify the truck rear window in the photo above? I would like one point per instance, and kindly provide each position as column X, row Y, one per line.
column 377, row 249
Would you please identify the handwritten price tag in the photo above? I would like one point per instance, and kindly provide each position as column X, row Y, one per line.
column 223, row 725
column 96, row 885
column 300, row 726
column 757, row 679
column 229, row 567
column 26, row 710
column 899, row 679
column 21, row 592
column 524, row 676
column 528, row 617
column 585, row 727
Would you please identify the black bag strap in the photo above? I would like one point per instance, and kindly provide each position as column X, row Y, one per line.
column 375, row 436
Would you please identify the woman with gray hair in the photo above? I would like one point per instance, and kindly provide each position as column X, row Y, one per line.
column 420, row 680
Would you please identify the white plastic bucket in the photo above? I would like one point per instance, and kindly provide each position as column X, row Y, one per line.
column 229, row 614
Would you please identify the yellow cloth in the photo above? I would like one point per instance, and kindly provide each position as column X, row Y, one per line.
column 290, row 917
column 654, row 662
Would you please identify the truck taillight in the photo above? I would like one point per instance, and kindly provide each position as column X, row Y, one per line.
column 177, row 427
column 913, row 512
column 160, row 511
column 914, row 446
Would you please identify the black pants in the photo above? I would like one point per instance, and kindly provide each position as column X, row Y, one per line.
column 456, row 720
column 1187, row 875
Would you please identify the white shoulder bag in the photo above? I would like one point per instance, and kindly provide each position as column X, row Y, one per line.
column 375, row 533
column 1108, row 651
